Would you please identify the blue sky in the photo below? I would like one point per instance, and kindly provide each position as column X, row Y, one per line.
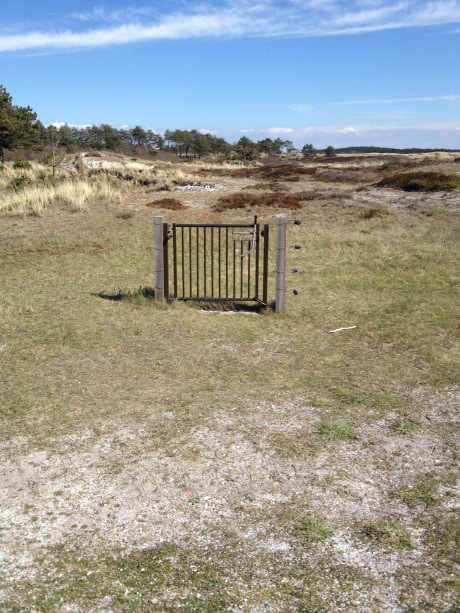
column 326, row 72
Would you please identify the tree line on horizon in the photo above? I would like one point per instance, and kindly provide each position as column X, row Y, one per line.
column 21, row 129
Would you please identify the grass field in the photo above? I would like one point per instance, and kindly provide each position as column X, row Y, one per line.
column 161, row 458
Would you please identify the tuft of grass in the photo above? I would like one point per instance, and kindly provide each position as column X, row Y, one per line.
column 332, row 431
column 424, row 492
column 348, row 397
column 405, row 427
column 389, row 534
column 22, row 165
column 18, row 184
column 45, row 178
column 313, row 531
column 371, row 213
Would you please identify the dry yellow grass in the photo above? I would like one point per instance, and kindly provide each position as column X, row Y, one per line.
column 33, row 190
column 76, row 195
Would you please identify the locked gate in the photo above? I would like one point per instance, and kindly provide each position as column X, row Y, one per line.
column 216, row 262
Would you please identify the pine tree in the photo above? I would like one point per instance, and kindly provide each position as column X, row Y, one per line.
column 18, row 124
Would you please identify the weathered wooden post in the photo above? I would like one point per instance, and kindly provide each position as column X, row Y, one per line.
column 158, row 254
column 280, row 279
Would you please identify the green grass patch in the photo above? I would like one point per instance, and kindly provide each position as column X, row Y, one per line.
column 313, row 531
column 389, row 534
column 405, row 427
column 332, row 431
column 348, row 397
column 171, row 577
column 425, row 493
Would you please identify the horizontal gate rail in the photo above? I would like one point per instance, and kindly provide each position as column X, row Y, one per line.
column 219, row 262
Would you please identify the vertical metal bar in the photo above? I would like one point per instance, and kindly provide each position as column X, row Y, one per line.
column 220, row 280
column 265, row 265
column 190, row 260
column 256, row 288
column 226, row 262
column 241, row 268
column 197, row 263
column 212, row 262
column 166, row 260
column 183, row 262
column 158, row 257
column 234, row 268
column 249, row 271
column 204, row 260
column 175, row 259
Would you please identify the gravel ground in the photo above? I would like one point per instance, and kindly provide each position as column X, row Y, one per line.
column 118, row 489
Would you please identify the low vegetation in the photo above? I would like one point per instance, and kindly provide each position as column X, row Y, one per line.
column 390, row 534
column 171, row 204
column 329, row 431
column 421, row 181
column 270, row 199
column 179, row 457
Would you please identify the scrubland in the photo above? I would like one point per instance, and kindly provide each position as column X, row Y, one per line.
column 168, row 457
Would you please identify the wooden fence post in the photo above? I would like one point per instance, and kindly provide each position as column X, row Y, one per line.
column 159, row 258
column 280, row 280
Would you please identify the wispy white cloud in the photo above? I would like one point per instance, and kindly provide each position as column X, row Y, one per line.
column 232, row 18
column 299, row 108
column 447, row 98
column 269, row 132
column 113, row 16
column 423, row 134
column 363, row 128
column 367, row 16
column 61, row 124
column 348, row 130
column 279, row 131
column 442, row 134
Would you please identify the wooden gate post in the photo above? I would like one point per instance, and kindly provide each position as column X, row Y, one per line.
column 280, row 280
column 159, row 258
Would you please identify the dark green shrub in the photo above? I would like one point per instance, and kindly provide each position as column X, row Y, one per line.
column 19, row 183
column 22, row 164
column 44, row 178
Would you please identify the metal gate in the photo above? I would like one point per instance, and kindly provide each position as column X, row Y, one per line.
column 218, row 262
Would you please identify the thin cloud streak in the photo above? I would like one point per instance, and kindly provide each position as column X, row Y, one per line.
column 236, row 19
column 362, row 128
column 448, row 98
column 357, row 130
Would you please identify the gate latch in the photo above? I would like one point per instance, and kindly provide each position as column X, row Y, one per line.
column 252, row 234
